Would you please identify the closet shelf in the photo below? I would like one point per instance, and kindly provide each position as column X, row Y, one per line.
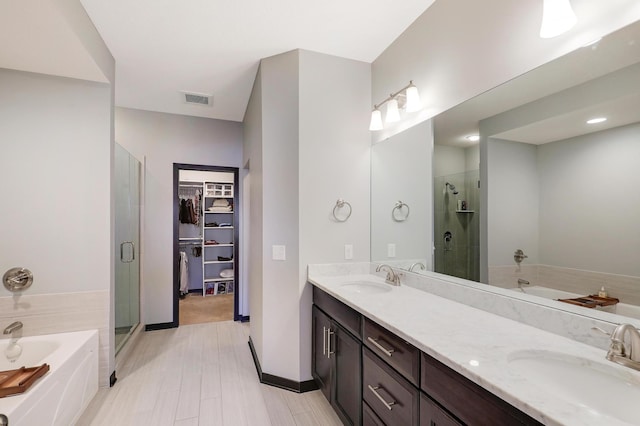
column 217, row 245
column 213, row 262
column 190, row 239
column 218, row 212
column 218, row 227
column 218, row 280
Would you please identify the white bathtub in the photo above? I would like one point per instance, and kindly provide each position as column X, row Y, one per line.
column 62, row 394
column 551, row 293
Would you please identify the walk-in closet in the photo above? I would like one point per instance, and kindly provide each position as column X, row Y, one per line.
column 207, row 241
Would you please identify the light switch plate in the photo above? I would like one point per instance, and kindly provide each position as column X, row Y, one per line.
column 391, row 250
column 278, row 253
column 348, row 251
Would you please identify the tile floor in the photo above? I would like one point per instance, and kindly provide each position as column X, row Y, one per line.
column 198, row 375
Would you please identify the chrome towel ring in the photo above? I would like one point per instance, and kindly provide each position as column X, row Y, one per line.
column 340, row 204
column 398, row 213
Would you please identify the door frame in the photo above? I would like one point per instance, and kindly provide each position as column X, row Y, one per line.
column 176, row 251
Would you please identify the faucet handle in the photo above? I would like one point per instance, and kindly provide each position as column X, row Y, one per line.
column 599, row 330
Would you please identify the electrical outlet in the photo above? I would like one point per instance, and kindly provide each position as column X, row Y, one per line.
column 278, row 253
column 348, row 251
column 391, row 250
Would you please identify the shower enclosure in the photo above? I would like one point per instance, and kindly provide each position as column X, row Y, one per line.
column 456, row 225
column 127, row 236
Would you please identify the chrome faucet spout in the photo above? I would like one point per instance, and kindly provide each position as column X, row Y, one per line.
column 13, row 327
column 392, row 277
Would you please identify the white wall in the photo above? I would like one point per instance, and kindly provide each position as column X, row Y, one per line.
column 390, row 182
column 56, row 172
column 165, row 139
column 589, row 202
column 307, row 145
column 334, row 163
column 453, row 56
column 513, row 202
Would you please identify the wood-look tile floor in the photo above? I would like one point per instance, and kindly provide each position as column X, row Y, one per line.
column 200, row 375
column 196, row 309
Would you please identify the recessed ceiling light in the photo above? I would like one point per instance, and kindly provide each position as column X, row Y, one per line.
column 596, row 120
column 473, row 138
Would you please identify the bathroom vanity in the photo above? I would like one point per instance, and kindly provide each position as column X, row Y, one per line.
column 397, row 355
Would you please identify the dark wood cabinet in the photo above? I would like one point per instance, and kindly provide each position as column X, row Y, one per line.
column 431, row 414
column 336, row 366
column 321, row 362
column 387, row 381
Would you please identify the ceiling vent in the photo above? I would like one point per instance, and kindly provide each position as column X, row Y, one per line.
column 197, row 98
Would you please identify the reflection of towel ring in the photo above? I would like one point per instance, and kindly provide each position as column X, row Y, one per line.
column 397, row 214
column 340, row 204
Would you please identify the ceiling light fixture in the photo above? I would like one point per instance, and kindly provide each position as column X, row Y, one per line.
column 473, row 138
column 408, row 98
column 557, row 18
column 596, row 120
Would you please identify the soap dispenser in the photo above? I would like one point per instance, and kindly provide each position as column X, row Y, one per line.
column 602, row 292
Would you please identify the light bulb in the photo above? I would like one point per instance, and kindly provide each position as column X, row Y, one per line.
column 557, row 18
column 393, row 114
column 376, row 120
column 413, row 99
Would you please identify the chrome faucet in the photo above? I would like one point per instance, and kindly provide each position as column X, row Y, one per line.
column 420, row 264
column 13, row 327
column 392, row 277
column 620, row 352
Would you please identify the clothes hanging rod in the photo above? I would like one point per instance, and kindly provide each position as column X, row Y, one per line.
column 189, row 186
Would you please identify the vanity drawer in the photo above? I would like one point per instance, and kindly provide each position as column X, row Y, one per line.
column 390, row 396
column 466, row 400
column 347, row 317
column 431, row 414
column 369, row 418
column 402, row 356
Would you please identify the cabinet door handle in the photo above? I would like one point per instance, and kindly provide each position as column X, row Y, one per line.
column 388, row 352
column 324, row 340
column 329, row 334
column 374, row 389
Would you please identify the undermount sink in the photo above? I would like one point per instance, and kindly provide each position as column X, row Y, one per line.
column 600, row 388
column 366, row 287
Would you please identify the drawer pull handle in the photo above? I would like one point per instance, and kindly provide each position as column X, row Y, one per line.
column 324, row 340
column 374, row 389
column 388, row 352
column 329, row 334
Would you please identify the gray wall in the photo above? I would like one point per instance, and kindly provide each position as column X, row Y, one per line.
column 307, row 145
column 158, row 140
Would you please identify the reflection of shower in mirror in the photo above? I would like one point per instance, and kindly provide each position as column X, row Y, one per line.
column 451, row 187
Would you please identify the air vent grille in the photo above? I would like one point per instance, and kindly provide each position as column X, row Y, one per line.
column 197, row 98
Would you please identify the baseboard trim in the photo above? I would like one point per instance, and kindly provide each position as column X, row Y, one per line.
column 159, row 326
column 112, row 379
column 277, row 381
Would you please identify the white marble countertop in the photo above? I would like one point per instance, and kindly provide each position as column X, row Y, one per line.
column 476, row 344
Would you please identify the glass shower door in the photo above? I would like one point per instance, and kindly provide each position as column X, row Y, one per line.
column 127, row 235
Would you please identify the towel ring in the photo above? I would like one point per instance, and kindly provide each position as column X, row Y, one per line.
column 340, row 204
column 397, row 213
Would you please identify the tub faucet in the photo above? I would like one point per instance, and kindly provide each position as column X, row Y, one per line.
column 392, row 277
column 13, row 327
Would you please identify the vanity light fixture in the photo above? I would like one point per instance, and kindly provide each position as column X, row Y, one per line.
column 596, row 120
column 557, row 18
column 408, row 98
column 473, row 138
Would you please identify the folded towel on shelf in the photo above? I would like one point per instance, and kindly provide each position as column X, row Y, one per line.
column 220, row 202
column 226, row 273
column 215, row 209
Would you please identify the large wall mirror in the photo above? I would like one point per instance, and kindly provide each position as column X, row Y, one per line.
column 540, row 179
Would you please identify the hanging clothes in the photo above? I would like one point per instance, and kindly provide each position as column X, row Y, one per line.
column 184, row 274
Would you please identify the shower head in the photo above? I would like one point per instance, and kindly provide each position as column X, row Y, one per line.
column 452, row 188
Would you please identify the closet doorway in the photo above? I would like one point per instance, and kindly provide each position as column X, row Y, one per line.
column 206, row 244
